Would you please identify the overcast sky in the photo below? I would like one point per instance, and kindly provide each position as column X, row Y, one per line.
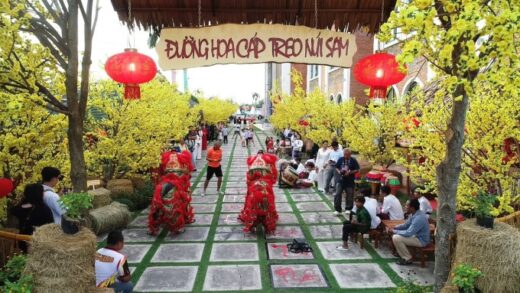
column 238, row 82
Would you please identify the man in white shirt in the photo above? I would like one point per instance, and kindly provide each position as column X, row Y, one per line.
column 50, row 177
column 424, row 203
column 112, row 269
column 331, row 171
column 286, row 132
column 297, row 145
column 371, row 206
column 391, row 205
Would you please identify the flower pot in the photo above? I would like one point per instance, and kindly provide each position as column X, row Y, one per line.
column 486, row 222
column 69, row 226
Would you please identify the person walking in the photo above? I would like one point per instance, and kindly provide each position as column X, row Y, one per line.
column 346, row 167
column 322, row 159
column 214, row 158
column 225, row 133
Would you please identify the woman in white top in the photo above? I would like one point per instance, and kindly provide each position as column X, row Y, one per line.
column 322, row 159
column 197, row 149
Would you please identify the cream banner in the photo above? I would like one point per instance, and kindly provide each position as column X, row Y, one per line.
column 180, row 48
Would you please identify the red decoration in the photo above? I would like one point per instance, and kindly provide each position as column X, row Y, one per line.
column 378, row 71
column 131, row 69
column 6, row 187
column 303, row 123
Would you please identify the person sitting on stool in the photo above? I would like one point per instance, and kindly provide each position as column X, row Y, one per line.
column 415, row 232
column 359, row 225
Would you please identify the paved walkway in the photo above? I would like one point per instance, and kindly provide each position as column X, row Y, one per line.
column 213, row 254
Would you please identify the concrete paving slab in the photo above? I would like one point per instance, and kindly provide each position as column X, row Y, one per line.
column 135, row 252
column 204, row 199
column 137, row 235
column 286, row 232
column 384, row 251
column 180, row 279
column 140, row 221
column 232, row 277
column 179, row 252
column 329, row 251
column 326, row 231
column 233, row 233
column 234, row 252
column 279, row 250
column 232, row 207
column 313, row 206
column 190, row 234
column 420, row 276
column 229, row 219
column 298, row 276
column 203, row 207
column 283, row 207
column 320, row 218
column 240, row 198
column 202, row 219
column 287, row 218
column 360, row 275
column 305, row 197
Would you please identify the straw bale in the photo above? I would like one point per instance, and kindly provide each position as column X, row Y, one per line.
column 111, row 217
column 138, row 182
column 496, row 252
column 120, row 186
column 100, row 197
column 58, row 261
column 450, row 289
column 102, row 290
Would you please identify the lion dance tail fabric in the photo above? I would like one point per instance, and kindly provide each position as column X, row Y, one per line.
column 170, row 205
column 259, row 206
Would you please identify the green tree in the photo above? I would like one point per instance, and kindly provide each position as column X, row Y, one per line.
column 467, row 42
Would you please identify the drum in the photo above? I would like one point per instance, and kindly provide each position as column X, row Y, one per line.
column 289, row 176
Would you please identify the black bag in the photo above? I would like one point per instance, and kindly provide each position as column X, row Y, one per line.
column 299, row 246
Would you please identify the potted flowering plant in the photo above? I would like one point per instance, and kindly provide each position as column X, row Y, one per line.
column 76, row 206
column 482, row 205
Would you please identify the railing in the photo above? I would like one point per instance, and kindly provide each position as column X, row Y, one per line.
column 9, row 244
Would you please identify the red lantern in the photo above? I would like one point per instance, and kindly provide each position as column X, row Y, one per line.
column 378, row 71
column 6, row 187
column 131, row 69
column 303, row 123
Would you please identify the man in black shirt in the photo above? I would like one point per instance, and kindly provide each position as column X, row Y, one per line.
column 347, row 167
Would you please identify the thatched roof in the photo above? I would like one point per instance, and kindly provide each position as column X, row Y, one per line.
column 343, row 14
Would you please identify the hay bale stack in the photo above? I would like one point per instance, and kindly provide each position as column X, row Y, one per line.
column 100, row 197
column 120, row 186
column 138, row 182
column 496, row 252
column 450, row 289
column 111, row 217
column 58, row 261
column 102, row 290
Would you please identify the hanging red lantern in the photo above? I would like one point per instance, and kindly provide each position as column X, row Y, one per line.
column 379, row 71
column 303, row 123
column 131, row 68
column 6, row 187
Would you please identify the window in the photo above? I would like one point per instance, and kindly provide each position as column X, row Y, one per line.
column 410, row 88
column 340, row 99
column 313, row 71
column 331, row 98
column 332, row 68
column 391, row 95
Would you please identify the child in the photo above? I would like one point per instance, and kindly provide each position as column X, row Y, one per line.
column 359, row 225
column 308, row 177
column 111, row 266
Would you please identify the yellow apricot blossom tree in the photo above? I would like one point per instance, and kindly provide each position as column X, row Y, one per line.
column 372, row 131
column 215, row 110
column 467, row 42
column 126, row 137
column 322, row 118
column 31, row 138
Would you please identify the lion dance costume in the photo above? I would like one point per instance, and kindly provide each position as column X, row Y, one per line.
column 259, row 206
column 172, row 196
